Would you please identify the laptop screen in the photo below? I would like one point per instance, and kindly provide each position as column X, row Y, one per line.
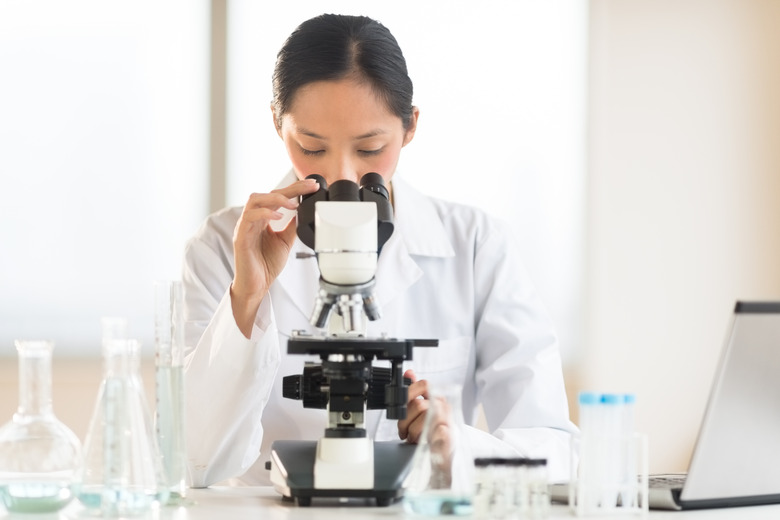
column 737, row 453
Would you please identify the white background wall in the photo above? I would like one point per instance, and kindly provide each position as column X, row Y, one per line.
column 103, row 162
column 683, row 197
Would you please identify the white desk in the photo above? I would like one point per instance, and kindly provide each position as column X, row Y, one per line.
column 225, row 503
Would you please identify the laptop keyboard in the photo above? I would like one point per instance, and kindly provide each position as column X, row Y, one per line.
column 673, row 481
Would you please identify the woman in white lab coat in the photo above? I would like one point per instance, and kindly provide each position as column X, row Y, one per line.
column 343, row 107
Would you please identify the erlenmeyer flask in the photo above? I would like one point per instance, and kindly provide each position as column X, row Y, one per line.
column 39, row 455
column 121, row 474
column 441, row 481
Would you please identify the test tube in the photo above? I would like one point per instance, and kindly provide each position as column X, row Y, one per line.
column 483, row 487
column 536, row 487
column 169, row 388
column 610, row 442
column 628, row 493
column 590, row 463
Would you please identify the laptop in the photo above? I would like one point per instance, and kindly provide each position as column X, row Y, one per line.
column 736, row 459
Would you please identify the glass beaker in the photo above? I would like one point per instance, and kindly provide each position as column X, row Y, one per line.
column 39, row 455
column 441, row 481
column 113, row 327
column 122, row 473
column 169, row 384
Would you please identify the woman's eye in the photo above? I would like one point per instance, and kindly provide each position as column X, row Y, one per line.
column 311, row 152
column 371, row 152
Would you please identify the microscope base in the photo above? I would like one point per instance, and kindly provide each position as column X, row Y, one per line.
column 292, row 472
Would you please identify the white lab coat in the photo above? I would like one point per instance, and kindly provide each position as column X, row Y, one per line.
column 448, row 272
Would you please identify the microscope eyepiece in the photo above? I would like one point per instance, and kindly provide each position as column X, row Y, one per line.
column 375, row 183
column 306, row 210
column 320, row 180
column 344, row 190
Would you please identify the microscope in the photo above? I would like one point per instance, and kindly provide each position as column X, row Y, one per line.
column 346, row 225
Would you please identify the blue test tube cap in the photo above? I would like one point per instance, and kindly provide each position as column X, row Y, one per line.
column 589, row 398
column 611, row 399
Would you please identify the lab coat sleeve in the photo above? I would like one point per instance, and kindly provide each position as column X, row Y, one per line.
column 518, row 369
column 228, row 378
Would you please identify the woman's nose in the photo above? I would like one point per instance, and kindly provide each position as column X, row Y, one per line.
column 343, row 169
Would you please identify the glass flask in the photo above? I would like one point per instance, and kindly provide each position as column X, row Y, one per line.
column 441, row 481
column 114, row 327
column 122, row 473
column 39, row 455
column 169, row 384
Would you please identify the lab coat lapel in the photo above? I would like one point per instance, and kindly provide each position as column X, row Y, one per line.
column 396, row 271
column 418, row 232
column 300, row 278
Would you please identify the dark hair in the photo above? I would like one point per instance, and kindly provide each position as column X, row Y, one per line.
column 332, row 47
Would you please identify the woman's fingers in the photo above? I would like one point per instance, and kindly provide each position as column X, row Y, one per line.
column 411, row 427
column 277, row 206
column 298, row 188
column 271, row 201
column 284, row 197
column 259, row 214
column 260, row 253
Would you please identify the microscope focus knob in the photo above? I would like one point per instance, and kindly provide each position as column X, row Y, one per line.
column 306, row 387
column 291, row 386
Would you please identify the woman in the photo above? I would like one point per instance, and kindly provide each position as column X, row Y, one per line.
column 342, row 105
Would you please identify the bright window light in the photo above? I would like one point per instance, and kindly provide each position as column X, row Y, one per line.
column 103, row 160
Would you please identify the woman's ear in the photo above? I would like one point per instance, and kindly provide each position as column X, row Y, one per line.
column 277, row 122
column 409, row 135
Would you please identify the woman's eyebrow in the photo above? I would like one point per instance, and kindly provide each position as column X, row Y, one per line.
column 367, row 135
column 309, row 133
column 372, row 133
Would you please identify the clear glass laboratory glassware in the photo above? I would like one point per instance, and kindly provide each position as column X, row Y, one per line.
column 169, row 384
column 39, row 455
column 114, row 327
column 483, row 487
column 441, row 481
column 536, row 484
column 122, row 472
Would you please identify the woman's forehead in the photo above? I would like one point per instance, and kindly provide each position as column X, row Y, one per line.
column 348, row 106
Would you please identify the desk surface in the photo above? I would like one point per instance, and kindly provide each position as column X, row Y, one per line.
column 253, row 503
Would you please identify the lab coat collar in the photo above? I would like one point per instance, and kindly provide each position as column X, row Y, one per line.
column 418, row 232
column 418, row 221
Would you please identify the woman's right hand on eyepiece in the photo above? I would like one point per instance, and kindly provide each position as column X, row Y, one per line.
column 260, row 252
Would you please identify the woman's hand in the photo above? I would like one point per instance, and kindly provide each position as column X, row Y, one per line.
column 410, row 429
column 438, row 436
column 261, row 253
